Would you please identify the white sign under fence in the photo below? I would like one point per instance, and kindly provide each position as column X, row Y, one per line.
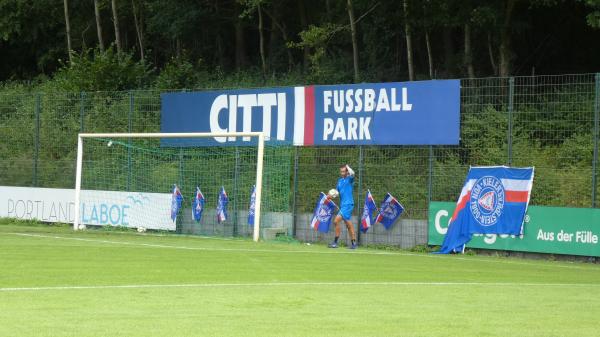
column 100, row 208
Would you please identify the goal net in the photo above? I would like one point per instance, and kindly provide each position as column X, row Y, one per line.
column 173, row 182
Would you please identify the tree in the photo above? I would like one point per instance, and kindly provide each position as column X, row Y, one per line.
column 116, row 24
column 68, row 29
column 281, row 26
column 593, row 18
column 251, row 6
column 98, row 24
column 409, row 51
column 354, row 42
column 240, row 40
column 137, row 20
column 261, row 39
column 468, row 57
column 505, row 39
column 304, row 27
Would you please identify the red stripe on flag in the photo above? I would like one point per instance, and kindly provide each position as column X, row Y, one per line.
column 309, row 115
column 516, row 196
column 461, row 204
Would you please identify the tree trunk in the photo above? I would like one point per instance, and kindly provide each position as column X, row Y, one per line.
column 468, row 56
column 98, row 25
column 138, row 27
column 219, row 37
column 68, row 29
column 240, row 41
column 448, row 51
column 304, row 26
column 116, row 23
column 354, row 42
column 505, row 51
column 281, row 27
column 429, row 54
column 491, row 53
column 261, row 40
column 411, row 73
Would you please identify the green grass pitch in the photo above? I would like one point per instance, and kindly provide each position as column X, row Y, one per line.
column 56, row 282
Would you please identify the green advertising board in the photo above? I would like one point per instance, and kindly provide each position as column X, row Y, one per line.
column 555, row 230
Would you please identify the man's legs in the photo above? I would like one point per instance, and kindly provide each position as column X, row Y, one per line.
column 350, row 227
column 338, row 231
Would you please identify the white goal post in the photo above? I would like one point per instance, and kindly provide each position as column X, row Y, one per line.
column 259, row 164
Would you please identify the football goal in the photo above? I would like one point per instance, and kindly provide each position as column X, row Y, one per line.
column 188, row 182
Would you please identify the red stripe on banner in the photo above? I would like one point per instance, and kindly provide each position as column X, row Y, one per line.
column 309, row 115
column 516, row 196
column 461, row 204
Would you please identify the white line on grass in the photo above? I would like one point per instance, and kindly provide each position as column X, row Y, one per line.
column 332, row 251
column 295, row 284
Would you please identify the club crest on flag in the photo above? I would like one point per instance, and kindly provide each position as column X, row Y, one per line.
column 390, row 211
column 487, row 200
column 323, row 214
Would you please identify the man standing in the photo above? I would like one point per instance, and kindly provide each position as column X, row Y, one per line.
column 344, row 187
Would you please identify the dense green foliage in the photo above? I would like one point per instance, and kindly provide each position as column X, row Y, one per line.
column 308, row 39
column 146, row 285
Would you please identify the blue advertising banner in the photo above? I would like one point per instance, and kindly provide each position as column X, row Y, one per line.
column 405, row 113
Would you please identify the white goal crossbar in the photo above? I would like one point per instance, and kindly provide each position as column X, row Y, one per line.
column 259, row 164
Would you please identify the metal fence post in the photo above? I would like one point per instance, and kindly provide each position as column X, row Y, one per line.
column 360, row 187
column 596, row 136
column 235, row 190
column 511, row 93
column 179, row 218
column 430, row 177
column 295, row 193
column 129, row 129
column 36, row 151
column 82, row 111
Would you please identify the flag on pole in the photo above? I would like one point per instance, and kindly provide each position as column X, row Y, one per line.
column 222, row 206
column 389, row 212
column 176, row 200
column 323, row 214
column 367, row 216
column 493, row 200
column 198, row 205
column 252, row 208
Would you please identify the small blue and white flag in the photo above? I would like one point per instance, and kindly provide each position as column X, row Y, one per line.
column 252, row 208
column 389, row 212
column 323, row 214
column 222, row 206
column 366, row 219
column 198, row 205
column 176, row 200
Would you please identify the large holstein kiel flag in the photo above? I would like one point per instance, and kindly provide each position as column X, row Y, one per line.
column 493, row 200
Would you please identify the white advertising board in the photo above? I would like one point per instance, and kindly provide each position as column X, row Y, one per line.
column 99, row 208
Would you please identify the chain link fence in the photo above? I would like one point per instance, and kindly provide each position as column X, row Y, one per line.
column 550, row 122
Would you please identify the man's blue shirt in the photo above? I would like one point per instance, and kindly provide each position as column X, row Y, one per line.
column 344, row 186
